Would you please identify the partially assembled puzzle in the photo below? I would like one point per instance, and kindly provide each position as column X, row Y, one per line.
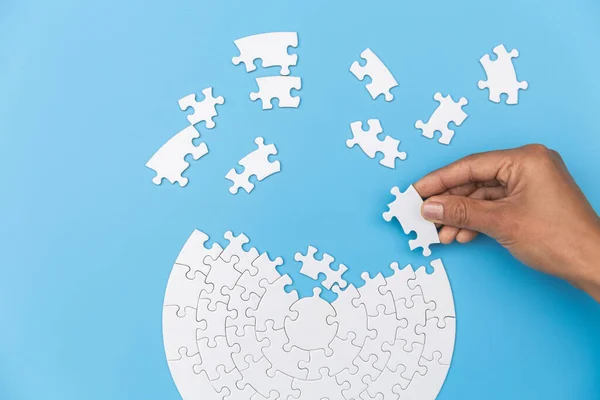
column 231, row 331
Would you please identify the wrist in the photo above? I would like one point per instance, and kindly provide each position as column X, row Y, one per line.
column 588, row 264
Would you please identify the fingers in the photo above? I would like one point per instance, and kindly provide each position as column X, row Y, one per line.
column 448, row 234
column 469, row 188
column 482, row 167
column 466, row 235
column 461, row 212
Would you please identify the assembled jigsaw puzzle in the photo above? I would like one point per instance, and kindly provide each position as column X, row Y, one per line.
column 271, row 344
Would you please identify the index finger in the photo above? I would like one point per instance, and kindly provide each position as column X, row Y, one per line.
column 475, row 168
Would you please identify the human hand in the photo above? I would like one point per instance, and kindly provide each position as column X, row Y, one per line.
column 525, row 199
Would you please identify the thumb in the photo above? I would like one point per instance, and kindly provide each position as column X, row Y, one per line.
column 461, row 212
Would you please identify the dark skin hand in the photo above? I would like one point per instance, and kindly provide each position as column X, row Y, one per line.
column 524, row 198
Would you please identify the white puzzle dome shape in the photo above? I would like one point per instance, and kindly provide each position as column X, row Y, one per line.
column 231, row 331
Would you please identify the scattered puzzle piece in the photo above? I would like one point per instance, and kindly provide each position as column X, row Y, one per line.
column 255, row 163
column 371, row 144
column 271, row 48
column 448, row 111
column 382, row 80
column 204, row 110
column 502, row 78
column 279, row 87
column 169, row 161
column 312, row 267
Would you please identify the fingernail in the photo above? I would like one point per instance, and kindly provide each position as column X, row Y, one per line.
column 433, row 211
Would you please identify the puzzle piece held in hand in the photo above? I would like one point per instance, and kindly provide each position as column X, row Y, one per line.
column 371, row 144
column 270, row 87
column 407, row 210
column 271, row 48
column 382, row 80
column 204, row 110
column 255, row 163
column 502, row 78
column 448, row 111
column 169, row 161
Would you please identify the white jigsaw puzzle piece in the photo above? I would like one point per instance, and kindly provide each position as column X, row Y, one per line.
column 372, row 298
column 414, row 315
column 356, row 374
column 282, row 358
column 407, row 210
column 267, row 272
column 397, row 284
column 312, row 267
column 275, row 305
column 222, row 275
column 169, row 161
column 325, row 388
column 351, row 319
column 267, row 268
column 406, row 363
column 435, row 288
column 249, row 344
column 388, row 384
column 220, row 354
column 386, row 324
column 501, row 76
column 439, row 339
column 271, row 48
column 240, row 306
column 255, row 163
column 344, row 352
column 280, row 87
column 311, row 312
column 180, row 334
column 194, row 252
column 184, row 292
column 370, row 143
column 190, row 380
column 204, row 110
column 235, row 248
column 382, row 80
column 256, row 375
column 426, row 387
column 214, row 320
column 447, row 111
column 226, row 385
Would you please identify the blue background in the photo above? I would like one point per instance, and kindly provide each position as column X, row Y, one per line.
column 89, row 90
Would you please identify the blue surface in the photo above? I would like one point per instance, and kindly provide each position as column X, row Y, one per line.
column 88, row 92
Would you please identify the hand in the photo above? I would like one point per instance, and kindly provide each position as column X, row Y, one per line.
column 525, row 199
